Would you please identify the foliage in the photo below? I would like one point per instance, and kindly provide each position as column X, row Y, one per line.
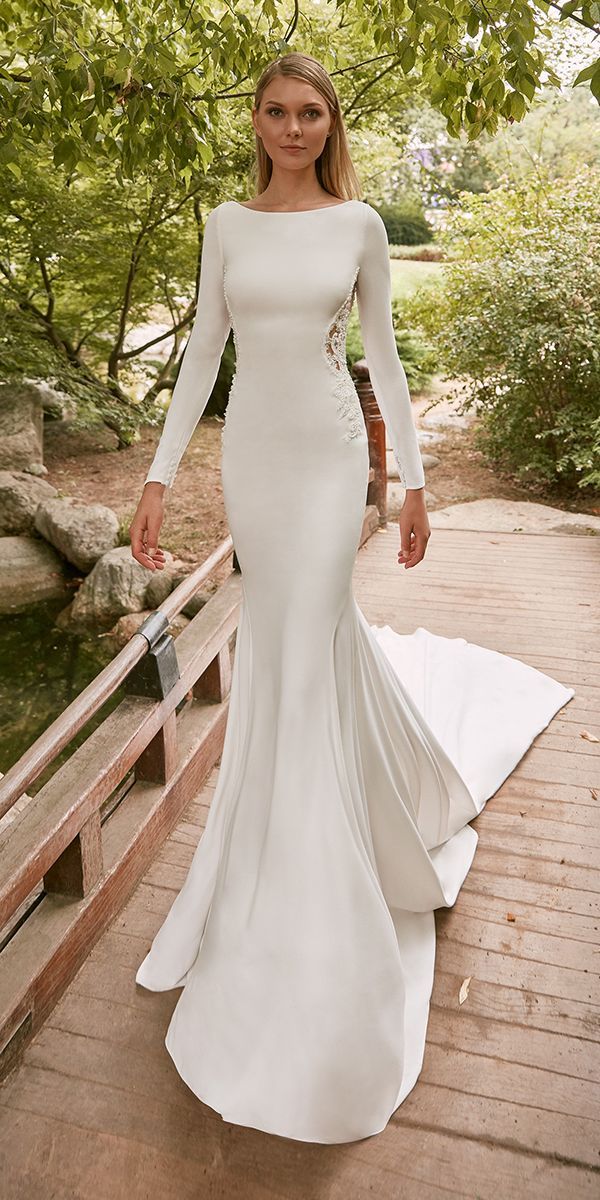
column 143, row 83
column 558, row 135
column 405, row 222
column 84, row 261
column 415, row 354
column 518, row 318
column 121, row 125
column 26, row 353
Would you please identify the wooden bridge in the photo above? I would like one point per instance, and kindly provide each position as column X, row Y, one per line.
column 507, row 1105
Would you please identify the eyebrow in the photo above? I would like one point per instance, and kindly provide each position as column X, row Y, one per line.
column 309, row 103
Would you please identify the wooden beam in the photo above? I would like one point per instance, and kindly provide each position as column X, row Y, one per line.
column 214, row 684
column 47, row 951
column 159, row 760
column 73, row 794
column 79, row 868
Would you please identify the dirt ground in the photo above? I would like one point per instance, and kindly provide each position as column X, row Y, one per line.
column 87, row 466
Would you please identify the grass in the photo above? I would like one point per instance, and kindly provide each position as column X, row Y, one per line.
column 408, row 275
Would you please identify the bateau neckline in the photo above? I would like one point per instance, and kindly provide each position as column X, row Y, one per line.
column 294, row 212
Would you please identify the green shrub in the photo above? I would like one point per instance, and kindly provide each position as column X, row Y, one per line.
column 517, row 317
column 416, row 355
column 406, row 223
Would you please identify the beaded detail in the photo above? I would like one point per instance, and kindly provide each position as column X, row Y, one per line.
column 400, row 466
column 334, row 349
column 237, row 351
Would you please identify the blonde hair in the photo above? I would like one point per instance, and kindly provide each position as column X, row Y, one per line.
column 334, row 167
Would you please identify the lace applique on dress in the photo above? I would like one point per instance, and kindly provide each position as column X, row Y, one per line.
column 334, row 349
column 237, row 350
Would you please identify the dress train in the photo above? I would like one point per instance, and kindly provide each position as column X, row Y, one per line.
column 304, row 935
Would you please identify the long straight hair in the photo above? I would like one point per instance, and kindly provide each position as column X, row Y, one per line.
column 334, row 167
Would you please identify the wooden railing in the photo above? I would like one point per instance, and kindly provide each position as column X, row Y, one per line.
column 71, row 855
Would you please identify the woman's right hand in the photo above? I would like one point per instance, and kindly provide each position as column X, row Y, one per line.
column 145, row 528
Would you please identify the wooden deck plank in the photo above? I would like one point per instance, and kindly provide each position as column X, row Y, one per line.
column 508, row 1102
column 388, row 1165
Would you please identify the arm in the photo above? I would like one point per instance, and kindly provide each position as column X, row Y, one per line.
column 388, row 378
column 201, row 359
column 195, row 381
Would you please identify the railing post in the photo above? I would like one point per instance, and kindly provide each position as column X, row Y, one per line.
column 377, row 490
column 159, row 760
column 81, row 865
column 215, row 682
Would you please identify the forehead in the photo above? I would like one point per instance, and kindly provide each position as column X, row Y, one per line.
column 291, row 91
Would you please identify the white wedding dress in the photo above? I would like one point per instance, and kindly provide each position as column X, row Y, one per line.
column 354, row 756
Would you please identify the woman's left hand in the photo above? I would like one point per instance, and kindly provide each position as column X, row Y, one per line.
column 415, row 530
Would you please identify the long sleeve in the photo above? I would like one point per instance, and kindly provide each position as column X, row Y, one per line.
column 388, row 377
column 201, row 359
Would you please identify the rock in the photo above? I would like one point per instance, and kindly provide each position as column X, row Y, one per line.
column 21, row 426
column 55, row 404
column 514, row 516
column 118, row 585
column 36, row 469
column 426, row 437
column 395, row 498
column 82, row 532
column 31, row 572
column 193, row 606
column 429, row 461
column 198, row 600
column 20, row 495
column 448, row 419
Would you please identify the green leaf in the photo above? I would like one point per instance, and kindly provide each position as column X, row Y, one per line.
column 587, row 73
column 407, row 59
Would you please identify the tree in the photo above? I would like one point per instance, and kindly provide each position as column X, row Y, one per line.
column 138, row 83
column 83, row 261
column 517, row 319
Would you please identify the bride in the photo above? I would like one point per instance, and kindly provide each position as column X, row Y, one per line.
column 354, row 758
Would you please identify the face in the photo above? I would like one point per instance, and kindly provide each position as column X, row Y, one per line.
column 292, row 113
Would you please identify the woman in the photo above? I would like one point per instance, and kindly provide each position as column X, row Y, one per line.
column 304, row 935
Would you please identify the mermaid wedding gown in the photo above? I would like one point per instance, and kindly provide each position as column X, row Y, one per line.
column 354, row 756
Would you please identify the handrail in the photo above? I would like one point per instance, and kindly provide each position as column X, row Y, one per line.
column 58, row 735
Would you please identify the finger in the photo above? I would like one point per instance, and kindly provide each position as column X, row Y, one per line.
column 418, row 550
column 152, row 548
column 136, row 537
column 156, row 559
column 138, row 548
column 406, row 545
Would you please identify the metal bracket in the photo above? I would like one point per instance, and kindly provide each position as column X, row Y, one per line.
column 158, row 671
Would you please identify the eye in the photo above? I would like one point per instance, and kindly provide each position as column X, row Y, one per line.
column 273, row 111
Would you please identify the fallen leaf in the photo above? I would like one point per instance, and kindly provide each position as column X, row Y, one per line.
column 589, row 737
column 510, row 917
column 523, row 814
column 464, row 989
column 594, row 793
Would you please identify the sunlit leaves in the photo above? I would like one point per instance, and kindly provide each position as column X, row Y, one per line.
column 517, row 318
column 159, row 77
